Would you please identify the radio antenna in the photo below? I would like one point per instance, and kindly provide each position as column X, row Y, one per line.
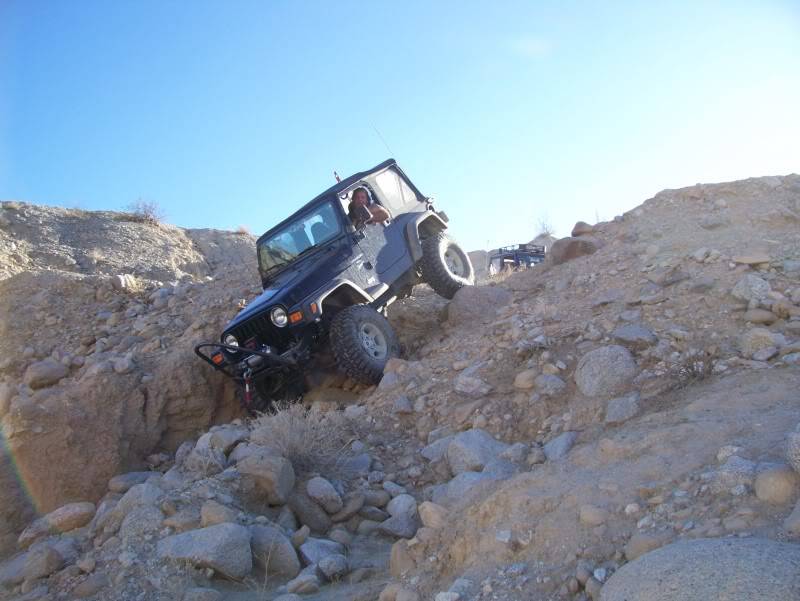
column 336, row 175
column 382, row 140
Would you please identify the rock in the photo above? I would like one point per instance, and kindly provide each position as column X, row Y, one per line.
column 224, row 548
column 205, row 461
column 459, row 487
column 400, row 559
column 40, row 562
column 765, row 354
column 45, row 373
column 791, row 523
column 63, row 519
column 776, row 485
column 477, row 304
column 566, row 249
column 472, row 450
column 447, row 596
column 407, row 595
column 308, row 512
column 323, row 492
column 710, row 570
column 525, row 380
column 622, row 409
column 760, row 316
column 591, row 515
column 334, row 567
column 437, row 449
column 305, row 584
column 402, row 406
column 605, row 371
column 272, row 475
column 288, row 597
column 403, row 504
column 581, row 229
column 123, row 482
column 228, row 436
column 641, row 543
column 352, row 504
column 559, row 447
column 212, row 513
column 432, row 515
column 752, row 259
column 315, row 549
column 91, row 585
column 140, row 522
column 756, row 339
column 549, row 385
column 471, row 386
column 751, row 287
column 400, row 526
column 734, row 472
column 202, row 594
column 793, row 451
column 377, row 498
column 273, row 552
column 635, row 335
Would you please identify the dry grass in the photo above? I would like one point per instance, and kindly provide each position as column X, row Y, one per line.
column 144, row 211
column 243, row 230
column 312, row 440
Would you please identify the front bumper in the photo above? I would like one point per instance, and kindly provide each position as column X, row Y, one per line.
column 253, row 362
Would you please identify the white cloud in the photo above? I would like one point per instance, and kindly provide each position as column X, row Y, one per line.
column 530, row 46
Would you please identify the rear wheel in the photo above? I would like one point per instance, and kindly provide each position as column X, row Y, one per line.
column 445, row 266
column 362, row 342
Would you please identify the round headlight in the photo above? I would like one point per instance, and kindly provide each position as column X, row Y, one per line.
column 230, row 340
column 279, row 317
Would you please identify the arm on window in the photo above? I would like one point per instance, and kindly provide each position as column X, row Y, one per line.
column 379, row 214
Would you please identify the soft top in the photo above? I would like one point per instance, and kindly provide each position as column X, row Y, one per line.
column 335, row 189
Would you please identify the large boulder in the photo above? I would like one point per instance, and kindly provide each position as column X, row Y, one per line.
column 272, row 475
column 45, row 373
column 273, row 552
column 224, row 548
column 472, row 450
column 606, row 371
column 63, row 519
column 477, row 304
column 710, row 570
column 566, row 249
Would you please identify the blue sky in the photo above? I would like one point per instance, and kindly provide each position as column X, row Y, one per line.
column 236, row 113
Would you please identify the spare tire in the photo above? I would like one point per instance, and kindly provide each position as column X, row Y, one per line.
column 445, row 266
column 362, row 341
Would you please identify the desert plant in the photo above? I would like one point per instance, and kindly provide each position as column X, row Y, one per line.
column 314, row 441
column 544, row 227
column 243, row 230
column 145, row 211
column 693, row 366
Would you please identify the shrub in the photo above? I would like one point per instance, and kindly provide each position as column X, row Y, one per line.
column 243, row 230
column 145, row 211
column 312, row 440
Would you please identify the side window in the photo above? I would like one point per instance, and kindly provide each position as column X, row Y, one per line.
column 394, row 191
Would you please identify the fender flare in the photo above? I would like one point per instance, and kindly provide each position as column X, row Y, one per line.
column 354, row 289
column 429, row 220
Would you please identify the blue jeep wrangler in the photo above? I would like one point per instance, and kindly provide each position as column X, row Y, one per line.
column 328, row 274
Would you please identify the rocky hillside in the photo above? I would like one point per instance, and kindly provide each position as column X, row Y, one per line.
column 586, row 429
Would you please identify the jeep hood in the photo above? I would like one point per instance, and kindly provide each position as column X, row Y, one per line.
column 294, row 284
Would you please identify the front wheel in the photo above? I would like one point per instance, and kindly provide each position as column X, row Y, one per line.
column 445, row 266
column 362, row 342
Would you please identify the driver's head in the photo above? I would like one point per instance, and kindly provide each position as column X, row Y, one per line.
column 360, row 197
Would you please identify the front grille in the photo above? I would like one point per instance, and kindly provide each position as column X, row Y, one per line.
column 261, row 329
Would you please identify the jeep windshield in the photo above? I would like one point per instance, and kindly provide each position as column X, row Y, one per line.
column 301, row 236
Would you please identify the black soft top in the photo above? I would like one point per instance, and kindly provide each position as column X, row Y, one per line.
column 335, row 189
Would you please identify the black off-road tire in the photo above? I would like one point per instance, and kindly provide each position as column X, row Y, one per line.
column 353, row 357
column 435, row 270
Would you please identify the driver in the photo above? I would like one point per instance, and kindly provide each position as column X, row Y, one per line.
column 360, row 198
